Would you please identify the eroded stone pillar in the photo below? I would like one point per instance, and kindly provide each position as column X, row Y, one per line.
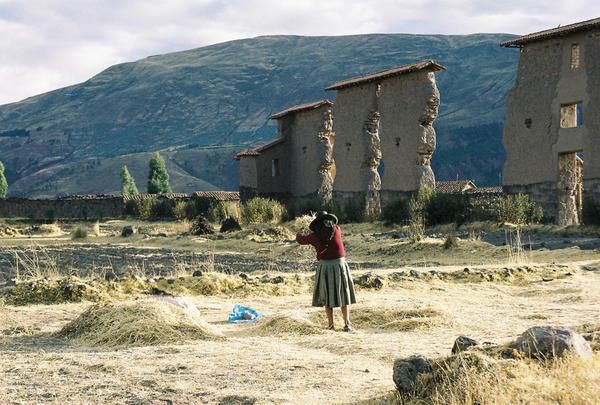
column 568, row 180
column 325, row 145
column 370, row 175
column 427, row 139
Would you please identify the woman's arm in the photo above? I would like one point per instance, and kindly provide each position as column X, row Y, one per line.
column 309, row 239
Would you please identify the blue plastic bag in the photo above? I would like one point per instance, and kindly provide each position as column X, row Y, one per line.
column 242, row 314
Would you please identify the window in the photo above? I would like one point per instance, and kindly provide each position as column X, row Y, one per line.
column 571, row 115
column 574, row 56
column 275, row 168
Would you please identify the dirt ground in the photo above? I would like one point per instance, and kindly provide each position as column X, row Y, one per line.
column 327, row 367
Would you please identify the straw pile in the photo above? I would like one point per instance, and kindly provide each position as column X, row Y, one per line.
column 138, row 323
column 400, row 320
column 285, row 325
column 301, row 223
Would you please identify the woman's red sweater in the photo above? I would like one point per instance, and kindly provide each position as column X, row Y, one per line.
column 327, row 247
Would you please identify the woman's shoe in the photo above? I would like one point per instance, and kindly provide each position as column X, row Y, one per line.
column 348, row 328
column 331, row 327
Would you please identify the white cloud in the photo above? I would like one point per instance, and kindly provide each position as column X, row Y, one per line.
column 46, row 44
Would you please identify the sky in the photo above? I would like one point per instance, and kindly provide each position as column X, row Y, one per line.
column 48, row 44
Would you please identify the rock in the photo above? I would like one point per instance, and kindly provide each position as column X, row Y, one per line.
column 10, row 282
column 110, row 276
column 414, row 273
column 230, row 225
column 546, row 342
column 201, row 226
column 244, row 276
column 406, row 372
column 170, row 281
column 157, row 291
column 151, row 280
column 277, row 280
column 466, row 270
column 197, row 273
column 128, row 230
column 462, row 343
column 369, row 280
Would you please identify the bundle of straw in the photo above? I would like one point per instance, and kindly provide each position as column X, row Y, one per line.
column 301, row 223
column 137, row 323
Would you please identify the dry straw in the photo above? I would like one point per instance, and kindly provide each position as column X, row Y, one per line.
column 282, row 325
column 138, row 323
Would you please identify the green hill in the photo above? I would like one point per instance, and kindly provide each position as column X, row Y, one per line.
column 202, row 105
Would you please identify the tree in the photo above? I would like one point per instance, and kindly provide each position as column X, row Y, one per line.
column 3, row 184
column 128, row 186
column 158, row 178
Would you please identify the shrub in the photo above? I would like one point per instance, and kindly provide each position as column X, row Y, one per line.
column 396, row 212
column 161, row 209
column 80, row 232
column 143, row 208
column 448, row 208
column 451, row 242
column 262, row 210
column 220, row 211
column 180, row 210
column 518, row 209
column 417, row 208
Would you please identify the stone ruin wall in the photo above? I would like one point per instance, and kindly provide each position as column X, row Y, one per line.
column 391, row 123
column 537, row 147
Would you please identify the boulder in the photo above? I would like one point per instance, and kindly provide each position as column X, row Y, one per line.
column 110, row 276
column 369, row 280
column 546, row 342
column 462, row 343
column 128, row 230
column 230, row 225
column 197, row 273
column 407, row 370
column 201, row 226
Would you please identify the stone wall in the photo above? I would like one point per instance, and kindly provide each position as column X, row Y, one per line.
column 74, row 208
column 537, row 134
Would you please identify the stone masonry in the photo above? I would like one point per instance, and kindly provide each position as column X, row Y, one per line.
column 553, row 115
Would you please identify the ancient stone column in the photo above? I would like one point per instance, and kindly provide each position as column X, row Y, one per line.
column 326, row 139
column 370, row 175
column 426, row 146
column 568, row 171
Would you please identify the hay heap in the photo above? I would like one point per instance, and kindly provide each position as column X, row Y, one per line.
column 138, row 323
column 301, row 224
column 286, row 325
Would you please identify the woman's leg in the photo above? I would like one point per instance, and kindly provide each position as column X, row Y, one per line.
column 346, row 314
column 329, row 312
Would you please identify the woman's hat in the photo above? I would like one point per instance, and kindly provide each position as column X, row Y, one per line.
column 322, row 216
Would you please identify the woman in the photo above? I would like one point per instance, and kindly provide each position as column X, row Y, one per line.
column 333, row 284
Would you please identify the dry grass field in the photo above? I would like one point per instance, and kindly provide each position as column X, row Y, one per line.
column 430, row 296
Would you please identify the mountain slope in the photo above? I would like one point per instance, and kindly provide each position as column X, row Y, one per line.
column 221, row 95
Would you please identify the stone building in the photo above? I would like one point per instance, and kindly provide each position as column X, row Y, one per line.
column 553, row 120
column 384, row 134
column 299, row 163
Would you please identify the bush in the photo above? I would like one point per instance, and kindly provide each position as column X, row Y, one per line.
column 221, row 211
column 180, row 210
column 451, row 242
column 417, row 208
column 591, row 211
column 80, row 232
column 262, row 210
column 396, row 212
column 447, row 209
column 518, row 209
column 143, row 208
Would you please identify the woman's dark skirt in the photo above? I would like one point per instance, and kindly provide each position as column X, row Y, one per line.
column 333, row 284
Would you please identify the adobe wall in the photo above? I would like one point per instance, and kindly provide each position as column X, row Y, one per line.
column 533, row 137
column 389, row 123
column 266, row 183
column 301, row 131
column 248, row 177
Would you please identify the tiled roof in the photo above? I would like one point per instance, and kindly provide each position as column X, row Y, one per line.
column 256, row 151
column 218, row 195
column 553, row 32
column 486, row 190
column 429, row 65
column 161, row 196
column 458, row 186
column 301, row 107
